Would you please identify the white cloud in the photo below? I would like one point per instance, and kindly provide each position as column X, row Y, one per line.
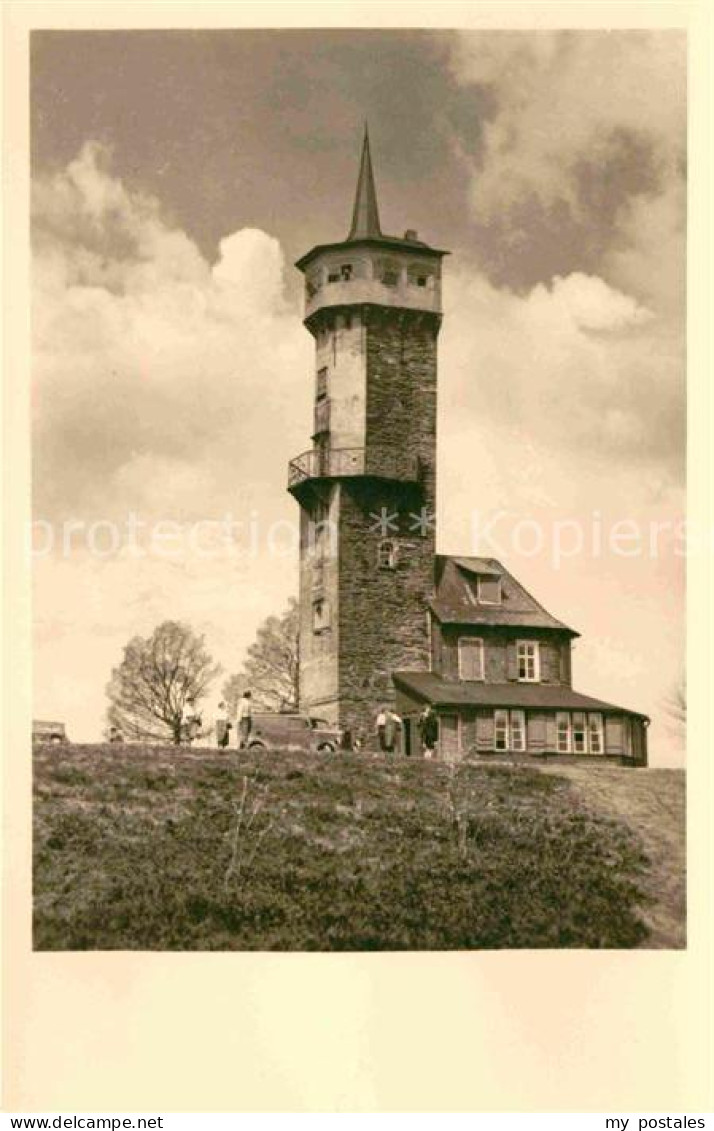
column 591, row 304
column 145, row 352
column 563, row 97
column 575, row 110
column 578, row 365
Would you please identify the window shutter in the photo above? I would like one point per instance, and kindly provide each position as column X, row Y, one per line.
column 551, row 734
column 470, row 658
column 511, row 660
column 484, row 731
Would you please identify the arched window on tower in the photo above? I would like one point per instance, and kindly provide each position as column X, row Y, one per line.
column 420, row 276
column 312, row 284
column 389, row 272
column 387, row 554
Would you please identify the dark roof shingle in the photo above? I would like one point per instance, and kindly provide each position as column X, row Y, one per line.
column 456, row 598
column 457, row 693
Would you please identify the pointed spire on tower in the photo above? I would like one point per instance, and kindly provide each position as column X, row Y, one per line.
column 365, row 217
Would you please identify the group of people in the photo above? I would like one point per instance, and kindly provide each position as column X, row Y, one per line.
column 192, row 722
column 389, row 728
column 388, row 724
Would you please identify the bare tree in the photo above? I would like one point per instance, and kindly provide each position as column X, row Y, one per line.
column 148, row 690
column 675, row 705
column 271, row 670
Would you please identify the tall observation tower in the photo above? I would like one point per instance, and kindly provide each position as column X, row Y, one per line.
column 366, row 487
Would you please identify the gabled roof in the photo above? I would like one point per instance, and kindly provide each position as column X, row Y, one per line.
column 431, row 688
column 455, row 600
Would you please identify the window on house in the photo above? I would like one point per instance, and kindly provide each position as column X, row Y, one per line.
column 489, row 590
column 387, row 554
column 333, row 277
column 320, row 615
column 346, row 271
column 422, row 280
column 500, row 720
column 579, row 735
column 470, row 657
column 518, row 730
column 528, row 661
column 321, row 390
column 595, row 733
column 564, row 736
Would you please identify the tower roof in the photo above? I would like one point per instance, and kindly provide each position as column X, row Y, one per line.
column 366, row 229
column 365, row 215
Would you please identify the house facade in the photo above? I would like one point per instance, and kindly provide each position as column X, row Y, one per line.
column 500, row 676
column 384, row 619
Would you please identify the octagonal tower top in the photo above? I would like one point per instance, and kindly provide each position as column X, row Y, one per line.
column 370, row 267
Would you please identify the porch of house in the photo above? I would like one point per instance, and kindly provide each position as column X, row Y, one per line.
column 509, row 722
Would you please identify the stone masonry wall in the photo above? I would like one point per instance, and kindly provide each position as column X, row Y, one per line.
column 382, row 612
column 319, row 683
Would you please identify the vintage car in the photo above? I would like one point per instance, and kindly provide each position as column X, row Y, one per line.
column 275, row 731
column 48, row 732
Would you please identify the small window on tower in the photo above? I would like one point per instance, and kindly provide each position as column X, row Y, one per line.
column 320, row 615
column 419, row 276
column 387, row 554
column 321, row 391
column 390, row 273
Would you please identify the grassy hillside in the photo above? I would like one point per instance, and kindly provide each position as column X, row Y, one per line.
column 156, row 849
column 652, row 804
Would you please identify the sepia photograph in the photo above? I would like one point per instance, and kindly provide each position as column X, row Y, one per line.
column 358, row 482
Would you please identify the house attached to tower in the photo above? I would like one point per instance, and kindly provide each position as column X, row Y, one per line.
column 383, row 618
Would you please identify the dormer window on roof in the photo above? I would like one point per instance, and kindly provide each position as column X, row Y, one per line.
column 488, row 590
column 483, row 590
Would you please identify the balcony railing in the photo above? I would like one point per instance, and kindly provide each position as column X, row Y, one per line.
column 334, row 463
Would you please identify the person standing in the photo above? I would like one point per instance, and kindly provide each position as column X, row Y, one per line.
column 429, row 730
column 392, row 730
column 382, row 729
column 223, row 726
column 245, row 719
column 190, row 721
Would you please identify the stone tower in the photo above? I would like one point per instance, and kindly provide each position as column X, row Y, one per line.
column 366, row 488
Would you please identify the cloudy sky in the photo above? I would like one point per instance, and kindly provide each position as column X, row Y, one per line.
column 176, row 178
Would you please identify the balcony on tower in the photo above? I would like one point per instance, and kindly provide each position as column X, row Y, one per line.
column 323, row 463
